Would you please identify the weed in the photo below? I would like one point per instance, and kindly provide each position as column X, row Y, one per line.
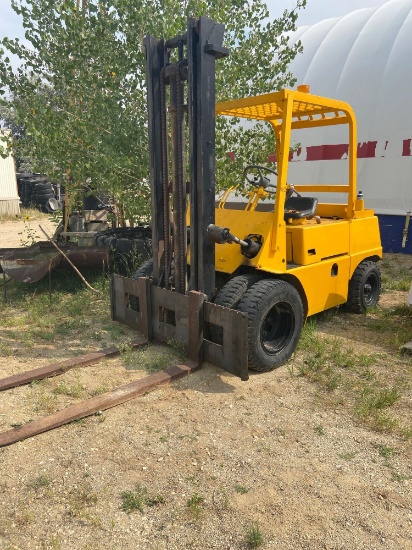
column 373, row 398
column 46, row 402
column 5, row 350
column 154, row 501
column 241, row 489
column 76, row 390
column 99, row 390
column 81, row 498
column 23, row 517
column 137, row 499
column 347, row 456
column 41, row 482
column 254, row 536
column 400, row 478
column 28, row 235
column 319, row 430
column 195, row 505
column 191, row 479
column 52, row 544
column 178, row 347
column 385, row 451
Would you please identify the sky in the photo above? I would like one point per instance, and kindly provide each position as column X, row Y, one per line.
column 315, row 11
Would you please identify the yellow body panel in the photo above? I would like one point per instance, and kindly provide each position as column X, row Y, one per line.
column 324, row 284
column 319, row 258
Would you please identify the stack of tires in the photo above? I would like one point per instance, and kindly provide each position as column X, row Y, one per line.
column 37, row 191
column 26, row 189
column 43, row 191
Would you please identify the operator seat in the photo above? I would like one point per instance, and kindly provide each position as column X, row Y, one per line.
column 300, row 207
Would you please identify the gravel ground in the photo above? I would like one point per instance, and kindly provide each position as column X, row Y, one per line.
column 212, row 462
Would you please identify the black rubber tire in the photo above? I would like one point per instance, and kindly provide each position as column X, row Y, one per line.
column 41, row 194
column 364, row 288
column 42, row 201
column 275, row 321
column 42, row 186
column 145, row 270
column 229, row 296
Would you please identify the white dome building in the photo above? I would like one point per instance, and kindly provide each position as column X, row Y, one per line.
column 364, row 58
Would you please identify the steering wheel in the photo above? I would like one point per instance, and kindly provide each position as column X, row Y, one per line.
column 260, row 181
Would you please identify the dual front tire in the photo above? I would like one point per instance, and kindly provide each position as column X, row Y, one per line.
column 275, row 318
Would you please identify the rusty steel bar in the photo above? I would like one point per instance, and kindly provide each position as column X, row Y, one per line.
column 98, row 403
column 56, row 369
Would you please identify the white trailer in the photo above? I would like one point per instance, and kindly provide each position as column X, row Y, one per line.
column 9, row 197
column 363, row 58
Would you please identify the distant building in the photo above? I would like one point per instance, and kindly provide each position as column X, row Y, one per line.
column 363, row 58
column 9, row 198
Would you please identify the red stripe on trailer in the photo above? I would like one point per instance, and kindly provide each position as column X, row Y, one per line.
column 406, row 151
column 367, row 149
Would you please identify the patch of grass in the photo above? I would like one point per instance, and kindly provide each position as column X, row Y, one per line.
column 399, row 478
column 137, row 499
column 385, row 451
column 254, row 536
column 22, row 517
column 152, row 358
column 41, row 482
column 319, row 430
column 5, row 350
column 355, row 380
column 45, row 402
column 75, row 390
column 178, row 347
column 347, row 456
column 195, row 505
column 80, row 499
column 99, row 390
column 373, row 398
column 241, row 489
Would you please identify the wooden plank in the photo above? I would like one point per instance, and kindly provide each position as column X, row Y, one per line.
column 56, row 369
column 98, row 403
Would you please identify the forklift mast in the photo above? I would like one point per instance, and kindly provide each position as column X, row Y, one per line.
column 180, row 75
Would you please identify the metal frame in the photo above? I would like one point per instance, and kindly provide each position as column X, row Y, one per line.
column 163, row 315
column 183, row 314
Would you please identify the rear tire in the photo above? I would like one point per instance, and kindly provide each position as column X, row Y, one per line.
column 364, row 288
column 275, row 321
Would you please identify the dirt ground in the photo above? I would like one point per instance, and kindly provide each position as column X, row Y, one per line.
column 14, row 233
column 217, row 456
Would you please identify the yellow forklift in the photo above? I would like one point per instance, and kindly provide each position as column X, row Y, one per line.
column 282, row 260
